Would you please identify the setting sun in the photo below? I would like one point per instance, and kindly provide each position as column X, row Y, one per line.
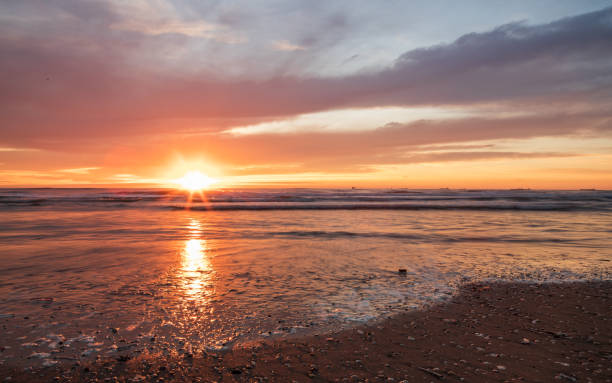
column 194, row 181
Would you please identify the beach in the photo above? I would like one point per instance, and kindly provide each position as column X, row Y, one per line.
column 499, row 332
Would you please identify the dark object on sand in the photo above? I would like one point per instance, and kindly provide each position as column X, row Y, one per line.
column 402, row 271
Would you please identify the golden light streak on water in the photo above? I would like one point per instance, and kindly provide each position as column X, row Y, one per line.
column 196, row 269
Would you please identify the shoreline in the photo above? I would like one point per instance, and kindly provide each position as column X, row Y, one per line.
column 503, row 331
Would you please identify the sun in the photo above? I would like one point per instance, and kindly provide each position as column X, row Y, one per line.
column 194, row 181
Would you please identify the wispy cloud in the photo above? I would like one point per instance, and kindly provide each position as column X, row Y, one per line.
column 127, row 178
column 422, row 158
column 340, row 120
column 192, row 29
column 9, row 149
column 164, row 17
column 284, row 45
column 85, row 170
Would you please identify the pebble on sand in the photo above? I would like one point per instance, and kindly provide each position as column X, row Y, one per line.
column 49, row 362
column 40, row 355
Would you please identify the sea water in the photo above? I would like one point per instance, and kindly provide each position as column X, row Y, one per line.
column 87, row 272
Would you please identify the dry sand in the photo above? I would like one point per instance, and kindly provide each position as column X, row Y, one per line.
column 500, row 332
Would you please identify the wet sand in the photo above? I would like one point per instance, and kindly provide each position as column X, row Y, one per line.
column 488, row 333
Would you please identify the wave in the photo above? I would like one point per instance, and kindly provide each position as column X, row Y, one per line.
column 387, row 206
column 311, row 199
column 420, row 237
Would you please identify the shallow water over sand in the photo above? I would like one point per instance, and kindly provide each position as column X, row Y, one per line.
column 81, row 278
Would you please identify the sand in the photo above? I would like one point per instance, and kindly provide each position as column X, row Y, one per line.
column 501, row 332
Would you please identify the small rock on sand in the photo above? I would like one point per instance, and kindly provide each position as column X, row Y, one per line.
column 40, row 355
column 49, row 362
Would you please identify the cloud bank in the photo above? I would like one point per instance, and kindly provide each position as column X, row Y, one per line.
column 84, row 76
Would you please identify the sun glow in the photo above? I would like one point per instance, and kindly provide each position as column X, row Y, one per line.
column 195, row 181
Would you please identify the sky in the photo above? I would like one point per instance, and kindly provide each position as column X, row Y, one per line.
column 411, row 94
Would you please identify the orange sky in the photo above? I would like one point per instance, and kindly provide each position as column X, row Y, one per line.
column 142, row 94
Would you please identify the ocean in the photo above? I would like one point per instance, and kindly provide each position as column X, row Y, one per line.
column 157, row 270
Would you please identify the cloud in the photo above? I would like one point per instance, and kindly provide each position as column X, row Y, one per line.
column 123, row 85
column 133, row 179
column 79, row 170
column 437, row 147
column 422, row 158
column 69, row 84
column 9, row 149
column 163, row 17
column 190, row 29
column 350, row 120
column 284, row 45
column 395, row 143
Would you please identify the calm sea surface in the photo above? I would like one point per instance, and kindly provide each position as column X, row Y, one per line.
column 86, row 272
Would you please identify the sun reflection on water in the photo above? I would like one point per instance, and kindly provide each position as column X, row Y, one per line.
column 196, row 269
